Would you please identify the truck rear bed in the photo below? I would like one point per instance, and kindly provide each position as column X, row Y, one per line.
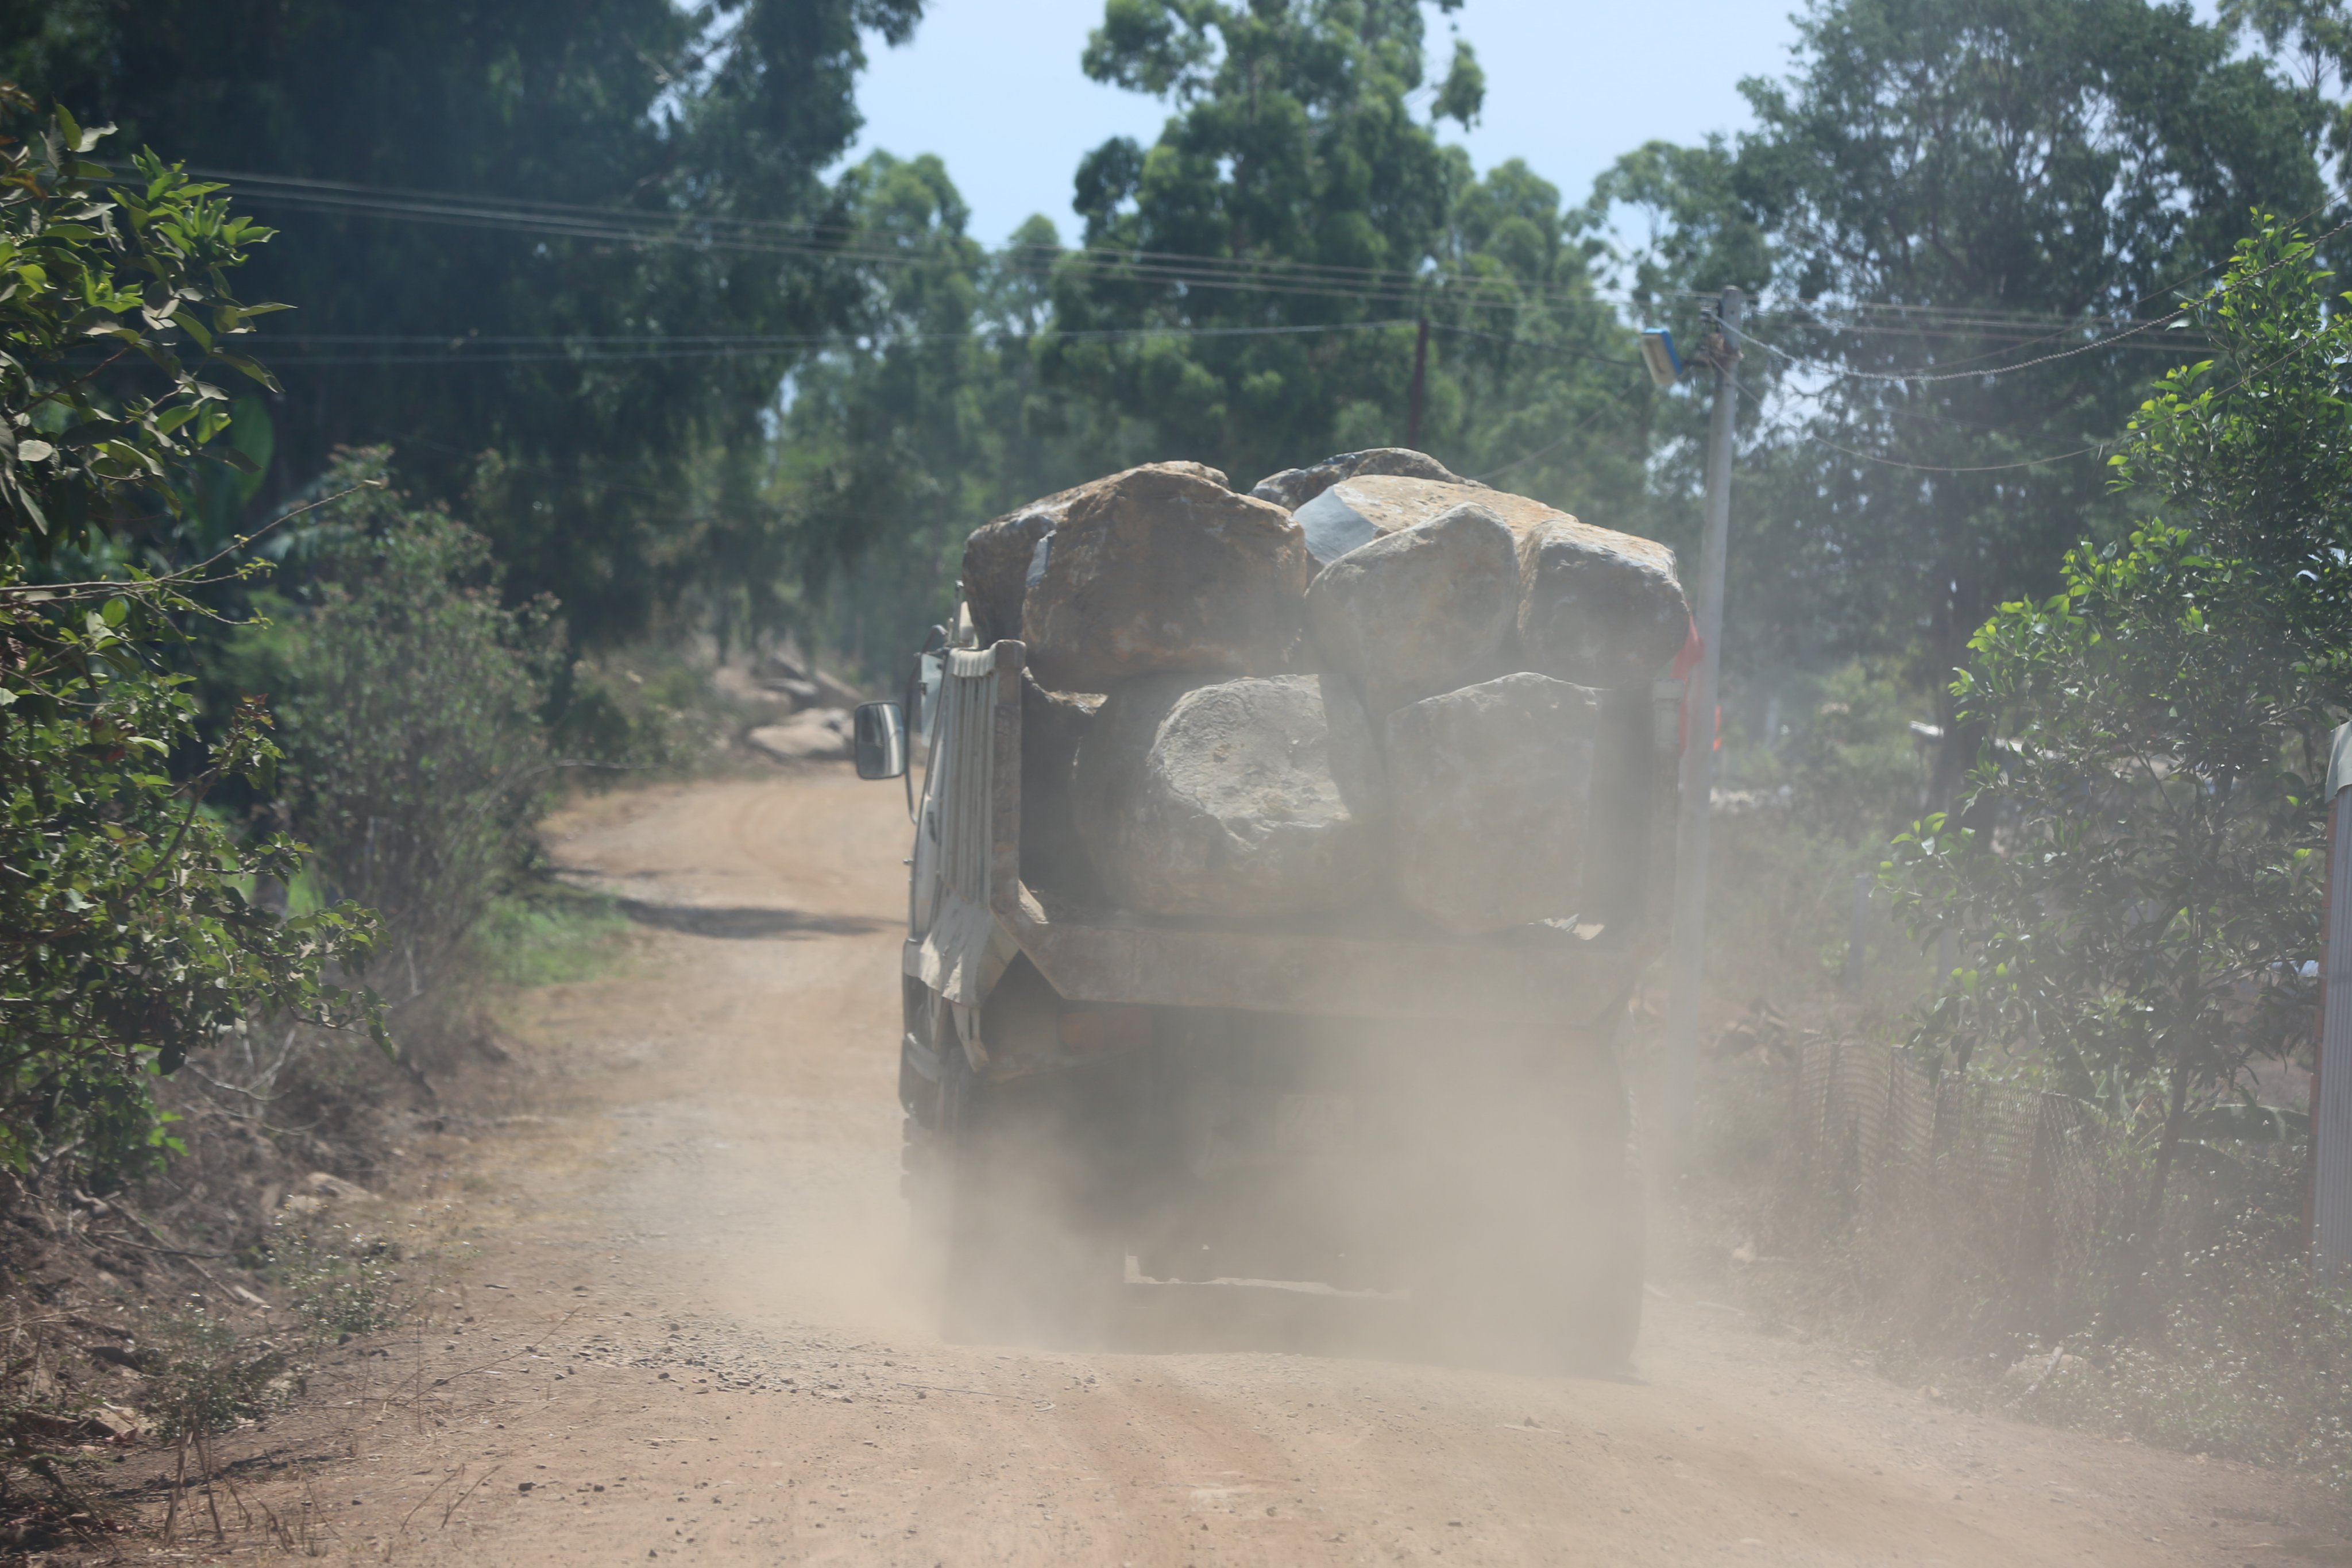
column 1372, row 965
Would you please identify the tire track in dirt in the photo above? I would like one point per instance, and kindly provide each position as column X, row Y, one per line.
column 692, row 1224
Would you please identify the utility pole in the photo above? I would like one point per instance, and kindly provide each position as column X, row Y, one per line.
column 2329, row 1185
column 1687, row 953
column 1420, row 387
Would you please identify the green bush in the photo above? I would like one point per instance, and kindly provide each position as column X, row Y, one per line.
column 416, row 753
column 127, row 939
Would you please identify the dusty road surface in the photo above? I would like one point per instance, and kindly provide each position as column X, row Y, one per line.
column 676, row 1323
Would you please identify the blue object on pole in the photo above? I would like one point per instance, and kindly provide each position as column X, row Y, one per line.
column 1658, row 353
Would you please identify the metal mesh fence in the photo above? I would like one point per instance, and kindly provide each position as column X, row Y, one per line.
column 1948, row 1197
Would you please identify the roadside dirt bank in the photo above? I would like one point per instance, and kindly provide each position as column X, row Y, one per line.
column 675, row 1320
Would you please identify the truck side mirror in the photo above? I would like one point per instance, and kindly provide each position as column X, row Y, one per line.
column 879, row 740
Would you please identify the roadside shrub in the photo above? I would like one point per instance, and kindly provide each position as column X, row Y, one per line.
column 416, row 753
column 128, row 940
column 2252, row 1360
column 337, row 1282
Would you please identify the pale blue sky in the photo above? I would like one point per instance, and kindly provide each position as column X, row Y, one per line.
column 993, row 87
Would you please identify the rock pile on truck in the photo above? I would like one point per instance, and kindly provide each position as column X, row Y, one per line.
column 1365, row 683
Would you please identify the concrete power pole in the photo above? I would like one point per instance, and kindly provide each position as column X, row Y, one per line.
column 1687, row 953
column 2331, row 1099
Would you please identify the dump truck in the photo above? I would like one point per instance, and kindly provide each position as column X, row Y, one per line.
column 1104, row 1106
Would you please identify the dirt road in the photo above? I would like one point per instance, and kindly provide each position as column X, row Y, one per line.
column 681, row 1324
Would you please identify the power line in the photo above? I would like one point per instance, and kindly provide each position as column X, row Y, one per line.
column 1922, row 376
column 1750, row 392
column 842, row 243
column 1976, row 315
column 522, row 349
column 1950, row 469
column 1579, row 429
column 1534, row 344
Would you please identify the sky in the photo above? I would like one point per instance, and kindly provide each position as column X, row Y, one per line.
column 993, row 87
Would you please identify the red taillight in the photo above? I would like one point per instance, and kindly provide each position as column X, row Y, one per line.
column 1106, row 1029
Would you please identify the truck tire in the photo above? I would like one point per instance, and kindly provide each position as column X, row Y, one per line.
column 996, row 1196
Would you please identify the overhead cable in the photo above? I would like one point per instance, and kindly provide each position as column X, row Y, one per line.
column 1923, row 375
column 517, row 349
column 842, row 243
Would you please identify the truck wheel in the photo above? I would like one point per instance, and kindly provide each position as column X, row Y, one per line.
column 1020, row 1259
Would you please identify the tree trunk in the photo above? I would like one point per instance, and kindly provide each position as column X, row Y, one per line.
column 2175, row 1114
column 2134, row 1303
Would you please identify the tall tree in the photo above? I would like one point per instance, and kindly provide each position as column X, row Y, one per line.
column 643, row 217
column 1285, row 232
column 929, row 421
column 1956, row 210
column 2156, row 885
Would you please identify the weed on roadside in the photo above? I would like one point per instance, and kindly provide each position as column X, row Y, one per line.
column 52, row 1437
column 337, row 1282
column 2253, row 1362
column 551, row 935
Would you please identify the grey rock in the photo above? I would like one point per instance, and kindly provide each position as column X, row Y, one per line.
column 1422, row 610
column 1489, row 791
column 1353, row 511
column 1293, row 488
column 819, row 734
column 1163, row 569
column 1220, row 799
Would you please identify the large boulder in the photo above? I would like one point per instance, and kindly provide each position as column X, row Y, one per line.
column 999, row 556
column 1161, row 569
column 1489, row 789
column 1293, row 488
column 1596, row 606
column 1420, row 610
column 996, row 558
column 1220, row 800
column 818, row 735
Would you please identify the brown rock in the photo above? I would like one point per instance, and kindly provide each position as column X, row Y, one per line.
column 1220, row 799
column 999, row 555
column 1420, row 610
column 1163, row 569
column 1489, row 789
column 1293, row 488
column 996, row 560
column 1594, row 609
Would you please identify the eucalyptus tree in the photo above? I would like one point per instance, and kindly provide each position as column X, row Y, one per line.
column 1962, row 217
column 588, row 238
